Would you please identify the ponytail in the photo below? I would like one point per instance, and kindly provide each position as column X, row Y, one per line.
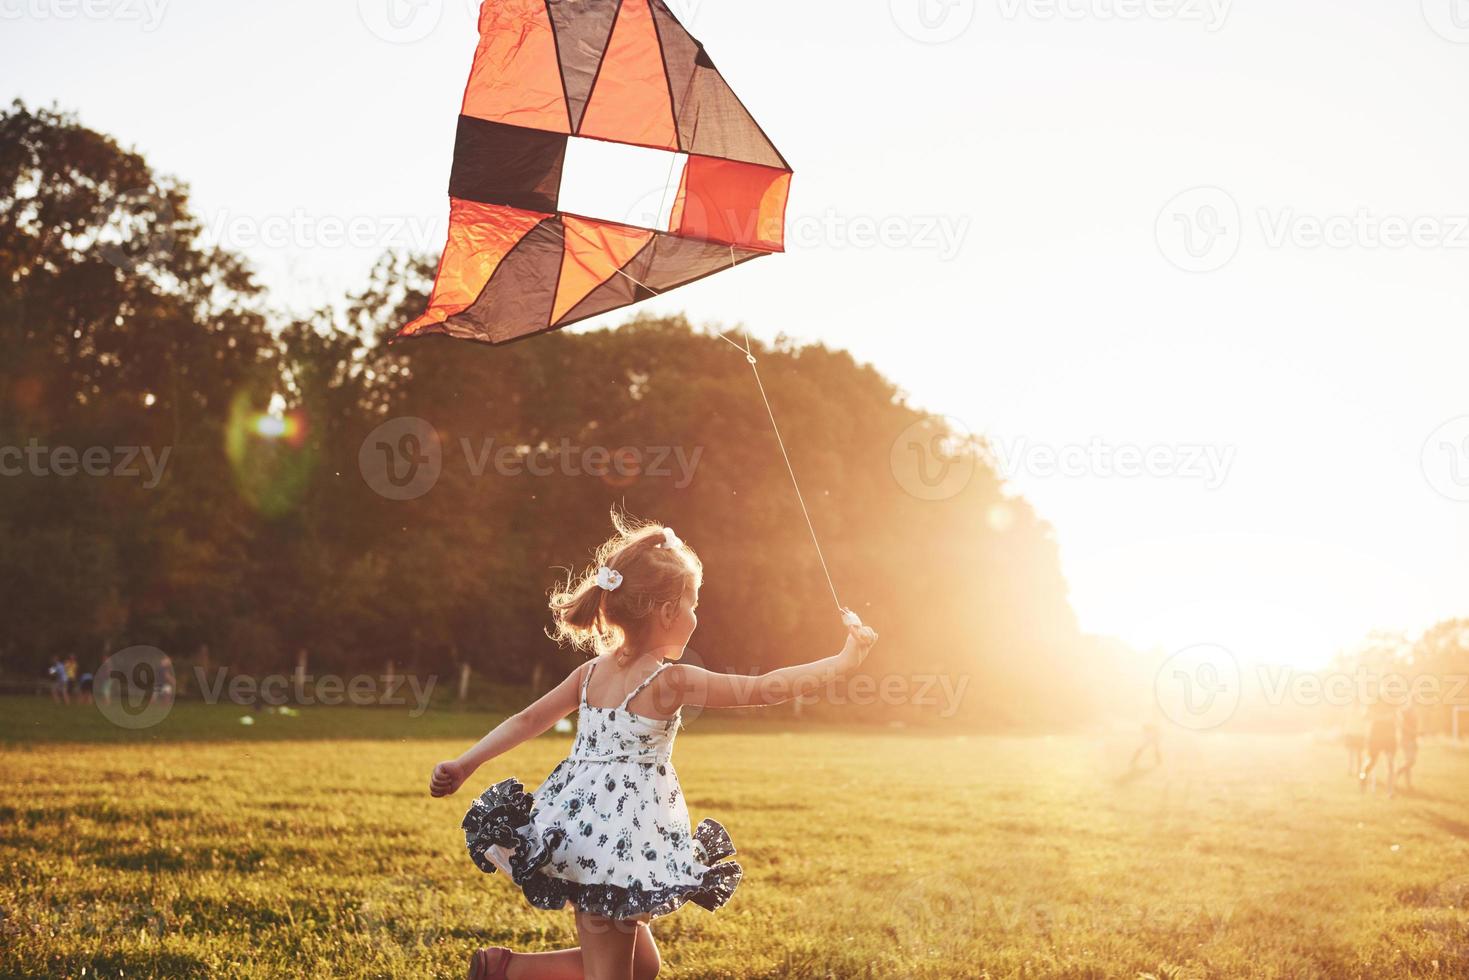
column 656, row 568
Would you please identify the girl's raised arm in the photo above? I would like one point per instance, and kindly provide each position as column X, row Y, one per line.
column 687, row 684
column 522, row 726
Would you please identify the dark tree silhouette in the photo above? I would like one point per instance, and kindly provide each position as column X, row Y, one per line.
column 264, row 538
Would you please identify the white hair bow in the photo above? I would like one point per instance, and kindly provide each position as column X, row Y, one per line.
column 671, row 540
column 608, row 578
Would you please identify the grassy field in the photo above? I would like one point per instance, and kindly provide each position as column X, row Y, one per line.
column 308, row 847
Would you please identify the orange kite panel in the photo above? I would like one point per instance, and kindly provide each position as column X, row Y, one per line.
column 732, row 202
column 595, row 251
column 516, row 78
column 480, row 235
column 630, row 103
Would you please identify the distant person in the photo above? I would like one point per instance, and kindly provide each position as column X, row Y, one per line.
column 60, row 690
column 1382, row 740
column 1408, row 742
column 84, row 688
column 608, row 832
column 165, row 683
column 1152, row 739
column 72, row 675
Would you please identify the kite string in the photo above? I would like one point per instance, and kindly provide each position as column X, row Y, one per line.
column 749, row 353
column 754, row 368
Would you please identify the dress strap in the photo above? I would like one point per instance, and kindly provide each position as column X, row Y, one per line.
column 587, row 679
column 646, row 681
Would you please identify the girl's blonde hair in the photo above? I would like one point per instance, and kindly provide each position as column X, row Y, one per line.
column 598, row 622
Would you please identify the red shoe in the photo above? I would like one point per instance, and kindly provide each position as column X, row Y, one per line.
column 490, row 964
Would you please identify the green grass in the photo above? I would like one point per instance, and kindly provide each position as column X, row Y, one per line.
column 308, row 847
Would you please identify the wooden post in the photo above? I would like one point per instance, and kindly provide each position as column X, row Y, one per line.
column 300, row 669
column 463, row 682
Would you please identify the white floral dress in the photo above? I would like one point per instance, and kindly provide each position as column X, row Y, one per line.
column 608, row 831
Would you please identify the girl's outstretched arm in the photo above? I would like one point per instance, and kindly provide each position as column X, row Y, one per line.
column 688, row 684
column 519, row 727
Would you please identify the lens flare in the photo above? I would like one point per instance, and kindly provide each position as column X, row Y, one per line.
column 289, row 428
column 270, row 455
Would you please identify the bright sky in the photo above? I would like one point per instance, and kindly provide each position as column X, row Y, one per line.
column 1023, row 161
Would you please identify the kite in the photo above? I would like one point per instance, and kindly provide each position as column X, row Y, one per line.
column 519, row 261
column 547, row 72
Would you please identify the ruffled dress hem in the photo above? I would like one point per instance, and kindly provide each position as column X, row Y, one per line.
column 501, row 836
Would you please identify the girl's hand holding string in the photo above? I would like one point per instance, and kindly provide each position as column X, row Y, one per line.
column 860, row 640
column 447, row 778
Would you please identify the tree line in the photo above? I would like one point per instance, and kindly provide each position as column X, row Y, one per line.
column 188, row 469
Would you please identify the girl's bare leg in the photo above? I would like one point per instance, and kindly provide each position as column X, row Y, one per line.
column 566, row 964
column 606, row 947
